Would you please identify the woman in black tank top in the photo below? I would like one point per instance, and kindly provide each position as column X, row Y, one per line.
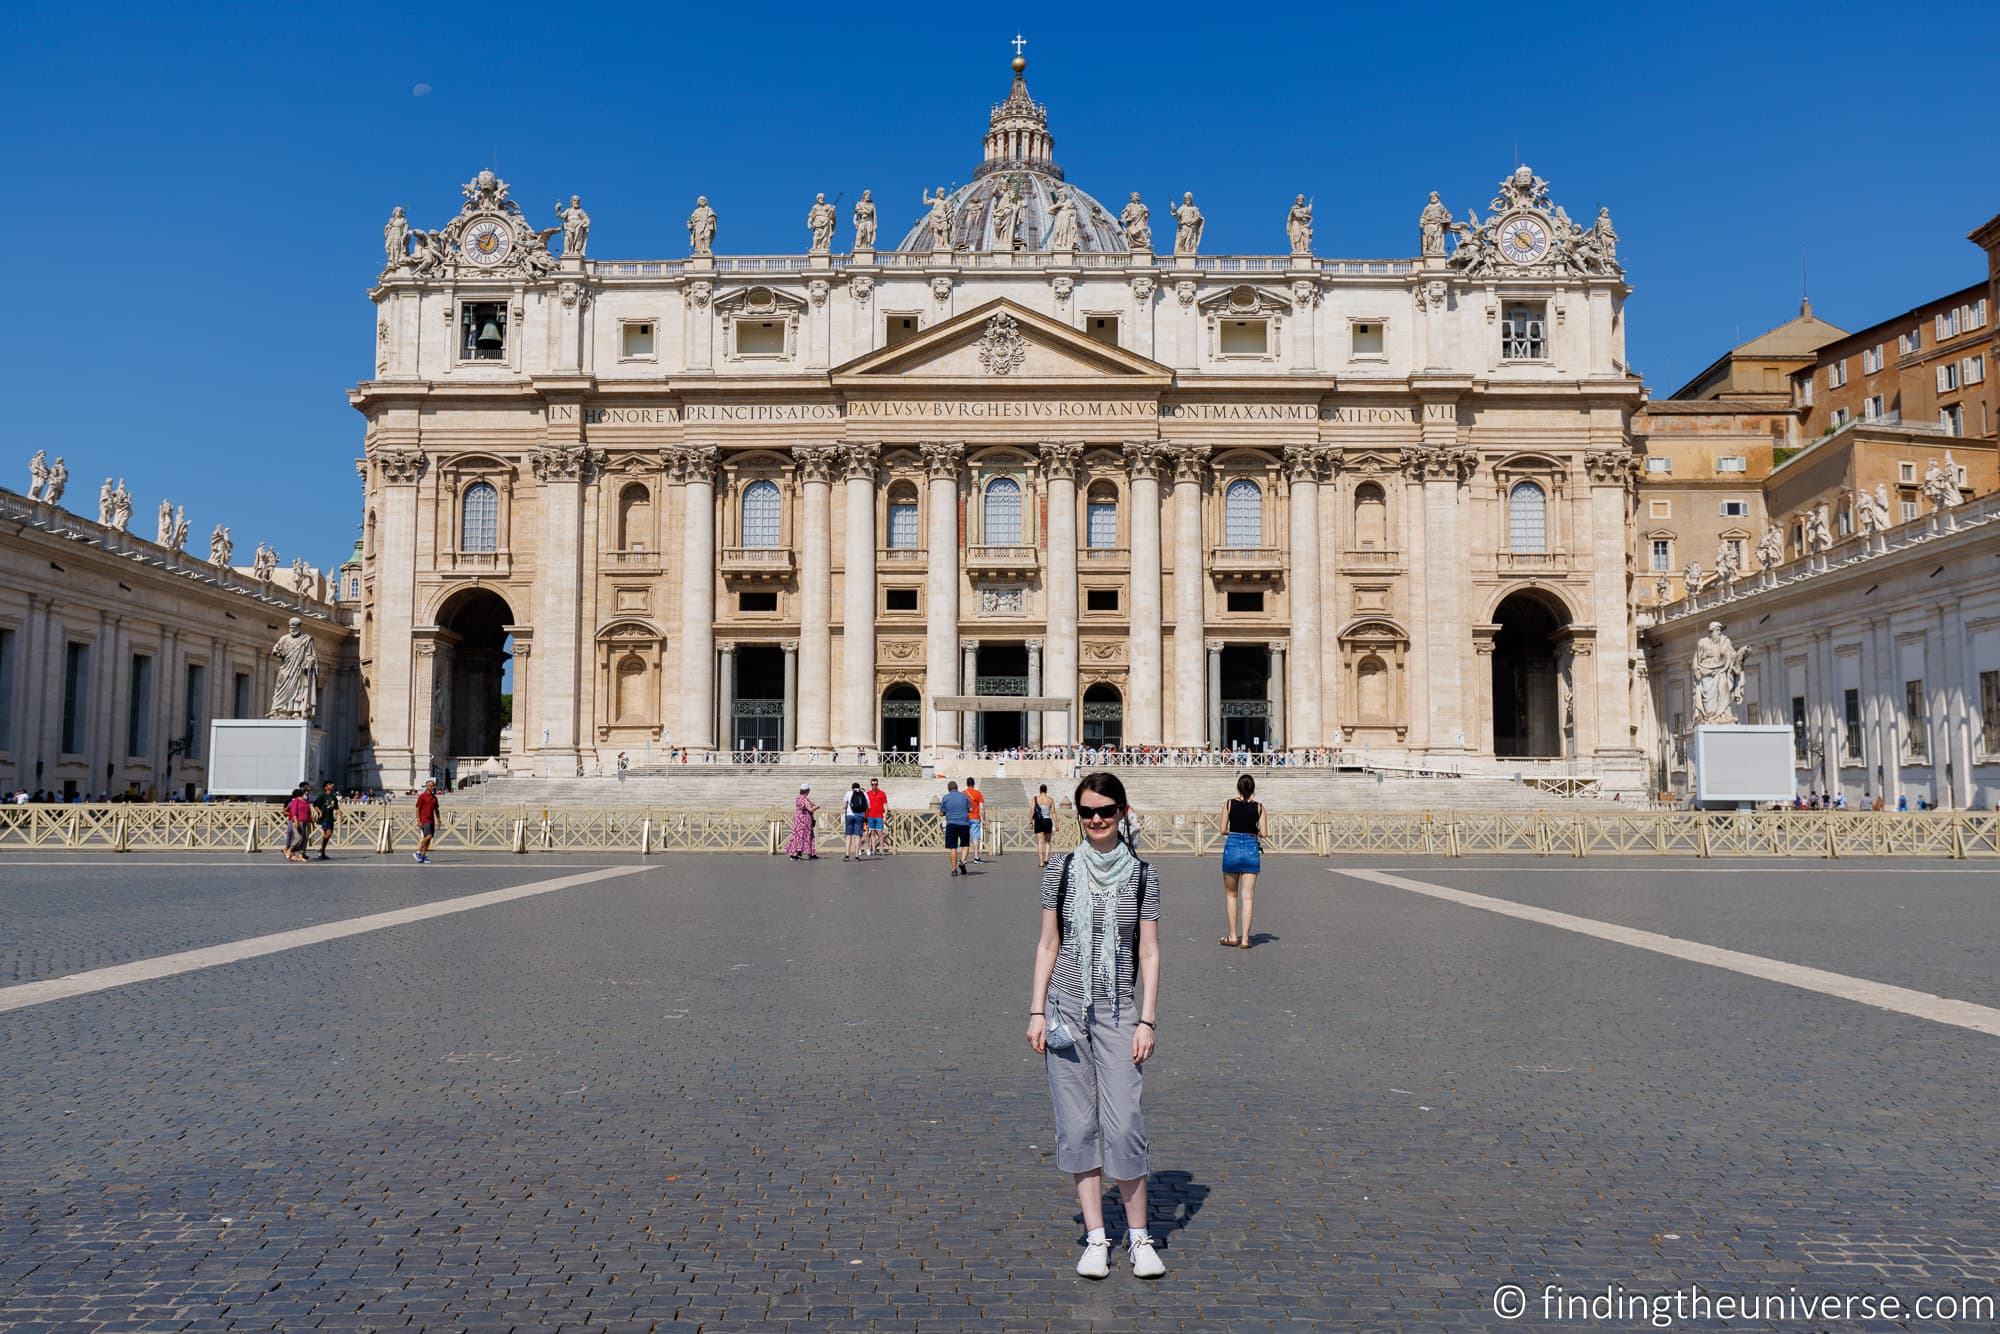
column 1242, row 858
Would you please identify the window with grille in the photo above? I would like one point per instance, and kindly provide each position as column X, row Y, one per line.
column 1989, row 713
column 479, row 518
column 1521, row 326
column 1914, row 719
column 1003, row 512
column 903, row 525
column 1101, row 522
column 1851, row 704
column 1527, row 518
column 1243, row 515
column 760, row 514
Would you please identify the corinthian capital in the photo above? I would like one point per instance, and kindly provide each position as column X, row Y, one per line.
column 401, row 466
column 565, row 463
column 941, row 459
column 1618, row 464
column 815, row 462
column 1445, row 463
column 1060, row 458
column 1304, row 463
column 1144, row 458
column 696, row 463
column 1189, row 462
column 860, row 459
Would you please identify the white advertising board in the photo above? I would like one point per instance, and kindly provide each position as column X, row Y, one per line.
column 1743, row 763
column 258, row 757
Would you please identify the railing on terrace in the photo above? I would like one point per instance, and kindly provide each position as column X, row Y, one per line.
column 385, row 829
column 994, row 259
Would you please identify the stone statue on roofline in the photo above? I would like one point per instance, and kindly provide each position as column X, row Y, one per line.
column 107, row 501
column 820, row 219
column 1187, row 225
column 163, row 530
column 1299, row 227
column 220, row 547
column 1137, row 220
column 864, row 221
column 38, row 474
column 939, row 205
column 1770, row 548
column 121, row 507
column 701, row 228
column 1063, row 229
column 396, row 240
column 1431, row 225
column 58, row 481
column 575, row 227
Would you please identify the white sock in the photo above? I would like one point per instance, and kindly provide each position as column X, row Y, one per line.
column 1135, row 1235
column 1096, row 1237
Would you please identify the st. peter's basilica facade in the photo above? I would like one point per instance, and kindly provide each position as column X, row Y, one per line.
column 1038, row 474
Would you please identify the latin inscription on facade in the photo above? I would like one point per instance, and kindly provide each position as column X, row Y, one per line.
column 988, row 409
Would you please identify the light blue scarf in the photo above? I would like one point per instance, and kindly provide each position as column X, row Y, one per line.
column 1103, row 875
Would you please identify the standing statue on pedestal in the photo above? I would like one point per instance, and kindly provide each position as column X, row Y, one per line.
column 396, row 240
column 820, row 219
column 1718, row 678
column 220, row 547
column 1725, row 564
column 1661, row 589
column 38, row 474
column 575, row 227
column 1007, row 215
column 1137, row 220
column 864, row 221
column 1299, row 227
column 1062, row 221
column 177, row 535
column 163, row 531
column 1770, row 548
column 1187, row 225
column 58, row 480
column 1606, row 240
column 939, row 205
column 1693, row 580
column 1819, row 529
column 1431, row 223
column 107, row 502
column 302, row 576
column 264, row 564
column 701, row 228
column 296, row 693
column 1941, row 484
column 121, row 507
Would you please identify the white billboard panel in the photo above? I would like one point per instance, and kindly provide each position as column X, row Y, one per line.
column 258, row 757
column 1744, row 763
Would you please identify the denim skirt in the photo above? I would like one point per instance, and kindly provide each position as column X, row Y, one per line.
column 1241, row 855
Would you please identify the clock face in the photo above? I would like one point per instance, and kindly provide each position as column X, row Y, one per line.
column 486, row 243
column 1524, row 239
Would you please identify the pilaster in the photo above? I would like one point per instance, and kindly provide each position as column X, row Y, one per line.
column 1143, row 724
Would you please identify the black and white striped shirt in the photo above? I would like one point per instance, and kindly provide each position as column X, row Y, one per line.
column 1068, row 975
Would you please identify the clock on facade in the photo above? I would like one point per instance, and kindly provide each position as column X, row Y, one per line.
column 486, row 243
column 1524, row 238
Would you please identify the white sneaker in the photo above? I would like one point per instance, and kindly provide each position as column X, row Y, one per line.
column 1146, row 1260
column 1096, row 1261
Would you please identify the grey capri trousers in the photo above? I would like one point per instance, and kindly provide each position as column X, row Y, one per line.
column 1096, row 1089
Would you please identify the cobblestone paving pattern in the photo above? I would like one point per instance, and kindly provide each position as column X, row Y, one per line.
column 739, row 1094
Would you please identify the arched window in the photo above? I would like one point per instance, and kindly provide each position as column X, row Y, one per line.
column 903, row 517
column 1101, row 516
column 1371, row 518
column 479, row 518
column 760, row 514
column 1527, row 518
column 635, row 518
column 1003, row 512
column 1243, row 515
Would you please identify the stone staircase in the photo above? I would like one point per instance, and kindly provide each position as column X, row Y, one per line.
column 1171, row 789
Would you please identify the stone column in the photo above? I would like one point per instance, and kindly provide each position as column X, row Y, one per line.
column 1444, row 468
column 812, row 727
column 562, row 468
column 789, row 737
column 1143, row 709
column 941, row 461
column 1275, row 693
column 397, row 472
column 726, row 706
column 1190, row 462
column 1059, row 464
column 1215, row 692
column 969, row 685
column 696, row 471
column 857, row 629
column 1034, row 688
column 524, row 693
column 1302, row 464
column 1612, row 473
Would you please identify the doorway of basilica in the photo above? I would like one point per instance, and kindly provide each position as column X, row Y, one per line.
column 469, row 703
column 759, row 708
column 1103, row 717
column 1002, row 669
column 902, row 719
column 1527, row 720
column 1246, row 697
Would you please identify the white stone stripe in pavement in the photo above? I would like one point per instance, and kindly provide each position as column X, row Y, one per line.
column 1903, row 1000
column 24, row 994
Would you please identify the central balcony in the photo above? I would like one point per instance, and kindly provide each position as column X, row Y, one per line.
column 1105, row 560
column 901, row 558
column 1266, row 564
column 986, row 562
column 757, row 565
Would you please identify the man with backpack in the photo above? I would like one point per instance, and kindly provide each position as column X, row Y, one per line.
column 854, row 822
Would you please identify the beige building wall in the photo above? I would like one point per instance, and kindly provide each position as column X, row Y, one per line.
column 1704, row 469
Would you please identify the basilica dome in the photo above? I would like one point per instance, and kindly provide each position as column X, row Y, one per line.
column 1018, row 177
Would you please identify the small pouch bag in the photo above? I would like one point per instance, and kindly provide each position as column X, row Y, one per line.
column 1057, row 1034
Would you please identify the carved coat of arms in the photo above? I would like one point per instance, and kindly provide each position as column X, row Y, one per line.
column 1001, row 347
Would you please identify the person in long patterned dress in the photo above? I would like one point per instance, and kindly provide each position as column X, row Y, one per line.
column 801, row 842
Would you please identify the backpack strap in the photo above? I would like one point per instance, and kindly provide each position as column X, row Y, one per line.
column 1062, row 896
column 1139, row 915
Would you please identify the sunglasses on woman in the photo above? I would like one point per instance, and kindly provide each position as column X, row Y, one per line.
column 1097, row 812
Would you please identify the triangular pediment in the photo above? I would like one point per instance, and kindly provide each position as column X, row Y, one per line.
column 1001, row 344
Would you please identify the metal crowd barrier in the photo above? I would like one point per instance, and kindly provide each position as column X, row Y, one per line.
column 248, row 828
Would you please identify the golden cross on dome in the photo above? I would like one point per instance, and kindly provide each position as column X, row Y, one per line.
column 1019, row 42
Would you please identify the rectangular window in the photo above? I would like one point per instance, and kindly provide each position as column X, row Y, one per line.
column 1246, row 601
column 1750, row 712
column 899, row 599
column 1989, row 713
column 1947, row 325
column 637, row 338
column 1657, row 465
column 1104, row 328
column 1799, row 751
column 1913, row 341
column 482, row 331
column 1952, row 419
column 6, row 689
column 1663, row 555
column 1846, row 523
column 1973, row 369
column 1101, row 523
column 1909, row 508
column 1841, row 416
column 756, row 602
column 760, row 338
column 1947, row 376
column 1906, row 472
column 899, row 329
column 1851, row 734
column 1836, row 375
column 1915, row 720
column 1807, row 395
column 1100, row 599
column 1521, row 331
column 1975, row 315
column 1735, row 509
column 902, row 526
column 193, row 714
column 1367, row 340
column 139, row 706
column 1871, row 408
column 1732, row 463
column 76, row 698
column 1871, row 360
column 239, row 696
column 1244, row 338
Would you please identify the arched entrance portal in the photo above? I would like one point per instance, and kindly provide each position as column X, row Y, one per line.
column 1103, row 717
column 1527, row 677
column 471, row 699
column 902, row 719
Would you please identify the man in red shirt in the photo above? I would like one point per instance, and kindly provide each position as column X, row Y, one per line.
column 427, row 816
column 878, row 820
column 978, row 800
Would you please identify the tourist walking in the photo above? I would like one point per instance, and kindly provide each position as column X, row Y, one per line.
column 977, row 825
column 326, row 810
column 956, row 812
column 854, row 823
column 1043, row 823
column 1092, row 1009
column 800, row 844
column 298, row 825
column 427, row 821
column 1242, row 822
column 878, row 820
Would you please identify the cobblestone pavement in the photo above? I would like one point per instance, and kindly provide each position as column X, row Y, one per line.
column 746, row 1094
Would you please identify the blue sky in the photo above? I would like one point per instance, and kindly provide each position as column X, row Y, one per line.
column 200, row 191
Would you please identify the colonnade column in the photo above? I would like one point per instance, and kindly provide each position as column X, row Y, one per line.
column 695, row 470
column 968, row 680
column 1302, row 463
column 1034, row 688
column 1059, row 464
column 1190, row 461
column 941, row 460
column 857, row 628
column 726, row 672
column 788, row 736
column 1275, row 694
column 1143, row 726
column 812, row 727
